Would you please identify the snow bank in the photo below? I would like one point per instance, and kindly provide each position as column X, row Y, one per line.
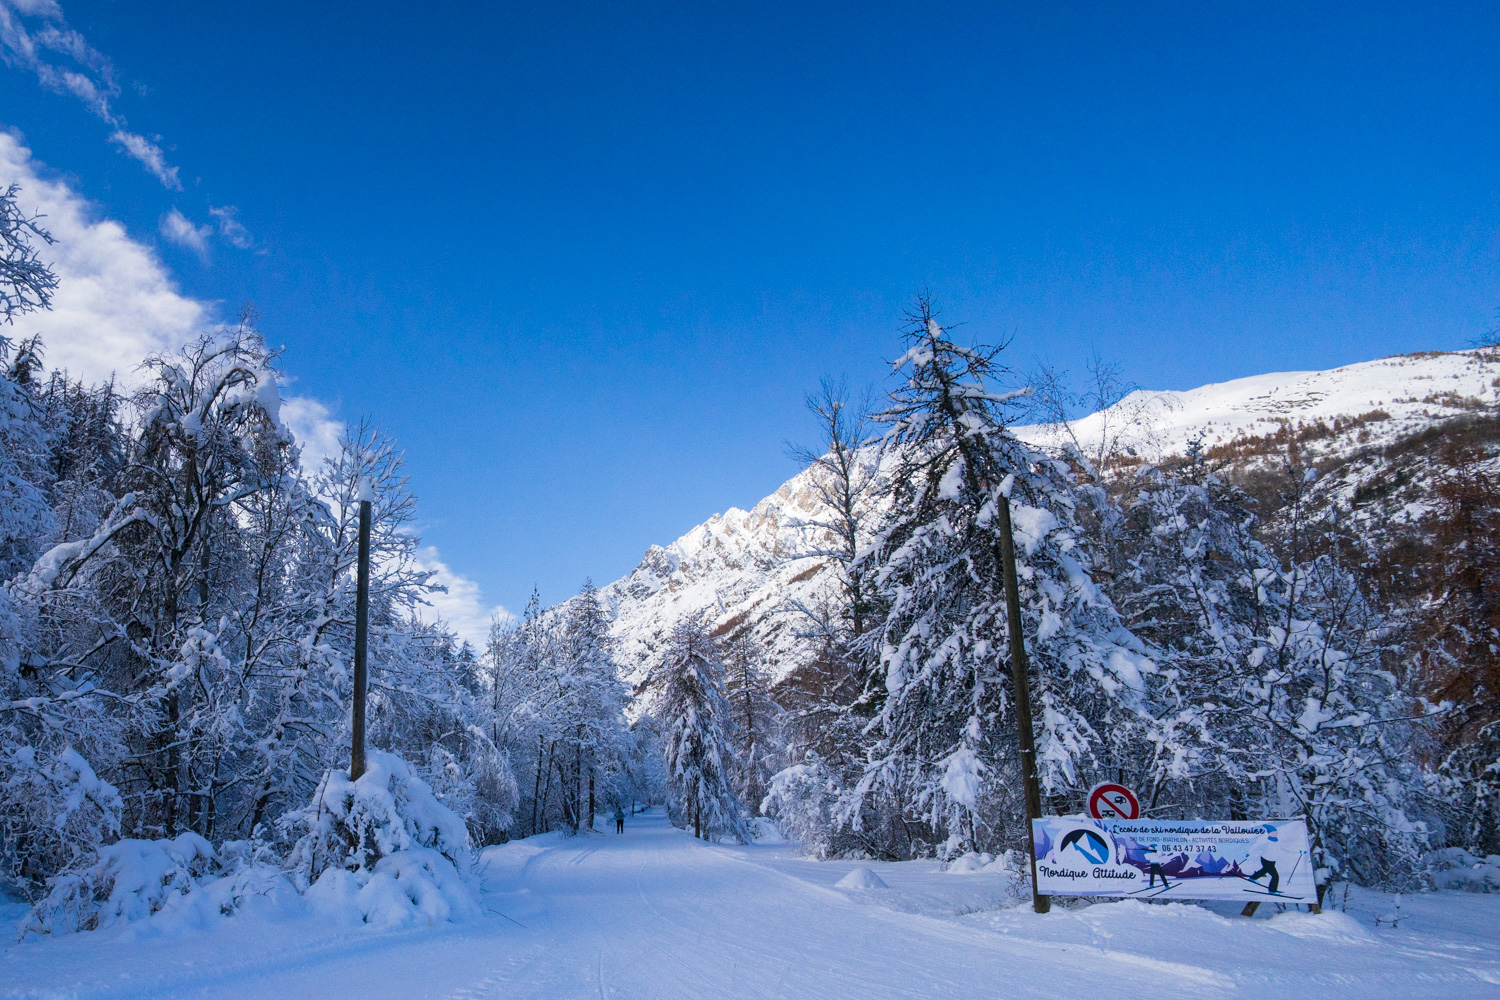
column 861, row 878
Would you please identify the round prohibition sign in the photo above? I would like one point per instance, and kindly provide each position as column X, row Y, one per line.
column 1112, row 801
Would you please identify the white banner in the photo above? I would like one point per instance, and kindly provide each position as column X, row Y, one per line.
column 1267, row 861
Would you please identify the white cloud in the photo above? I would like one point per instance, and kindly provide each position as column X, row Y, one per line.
column 230, row 227
column 179, row 229
column 115, row 302
column 314, row 427
column 81, row 70
column 150, row 156
column 463, row 606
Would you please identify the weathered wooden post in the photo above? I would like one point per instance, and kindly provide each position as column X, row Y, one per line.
column 361, row 632
column 1039, row 902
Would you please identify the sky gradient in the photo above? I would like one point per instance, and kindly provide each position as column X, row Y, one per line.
column 584, row 261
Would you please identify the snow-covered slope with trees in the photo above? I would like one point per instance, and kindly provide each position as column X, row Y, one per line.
column 742, row 567
column 1395, row 395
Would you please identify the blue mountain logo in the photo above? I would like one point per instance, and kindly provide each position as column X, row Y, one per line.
column 1087, row 843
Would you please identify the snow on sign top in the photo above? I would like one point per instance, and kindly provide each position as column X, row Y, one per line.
column 1112, row 801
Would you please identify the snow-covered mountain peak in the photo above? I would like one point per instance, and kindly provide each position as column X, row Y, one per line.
column 737, row 565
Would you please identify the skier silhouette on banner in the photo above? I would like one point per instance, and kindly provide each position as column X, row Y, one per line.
column 1267, row 867
column 1155, row 871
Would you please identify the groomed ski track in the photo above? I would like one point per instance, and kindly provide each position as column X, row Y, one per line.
column 655, row 913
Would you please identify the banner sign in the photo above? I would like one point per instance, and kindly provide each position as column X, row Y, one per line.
column 1265, row 861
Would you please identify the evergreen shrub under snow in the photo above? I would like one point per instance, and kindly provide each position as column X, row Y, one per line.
column 383, row 847
column 131, row 880
column 381, row 850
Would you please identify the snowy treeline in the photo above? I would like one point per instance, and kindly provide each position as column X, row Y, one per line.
column 1170, row 647
column 554, row 697
column 176, row 636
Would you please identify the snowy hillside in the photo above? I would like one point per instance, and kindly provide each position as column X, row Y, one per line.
column 1405, row 392
column 743, row 567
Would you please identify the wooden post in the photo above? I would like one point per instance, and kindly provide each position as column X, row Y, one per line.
column 1039, row 902
column 361, row 636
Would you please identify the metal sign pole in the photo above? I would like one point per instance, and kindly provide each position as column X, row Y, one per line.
column 1039, row 902
column 361, row 639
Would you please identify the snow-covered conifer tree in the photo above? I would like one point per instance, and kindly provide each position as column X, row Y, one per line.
column 695, row 720
column 945, row 764
column 1279, row 693
column 757, row 717
column 595, row 703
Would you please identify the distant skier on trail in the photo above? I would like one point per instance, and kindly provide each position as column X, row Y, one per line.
column 619, row 820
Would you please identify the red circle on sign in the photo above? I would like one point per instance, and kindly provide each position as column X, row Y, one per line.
column 1109, row 800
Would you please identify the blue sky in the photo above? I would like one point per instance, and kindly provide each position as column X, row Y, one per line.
column 584, row 261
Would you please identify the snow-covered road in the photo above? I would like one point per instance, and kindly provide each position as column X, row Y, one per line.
column 655, row 913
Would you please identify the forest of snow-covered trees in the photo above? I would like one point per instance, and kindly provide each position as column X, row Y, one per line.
column 176, row 633
column 1223, row 666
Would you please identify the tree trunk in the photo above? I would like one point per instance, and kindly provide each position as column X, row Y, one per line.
column 547, row 782
column 569, row 801
column 536, row 789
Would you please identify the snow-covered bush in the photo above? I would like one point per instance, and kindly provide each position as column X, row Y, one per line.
column 483, row 790
column 1456, row 868
column 130, row 881
column 382, row 849
column 405, row 888
column 353, row 824
column 803, row 800
column 54, row 812
column 492, row 807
